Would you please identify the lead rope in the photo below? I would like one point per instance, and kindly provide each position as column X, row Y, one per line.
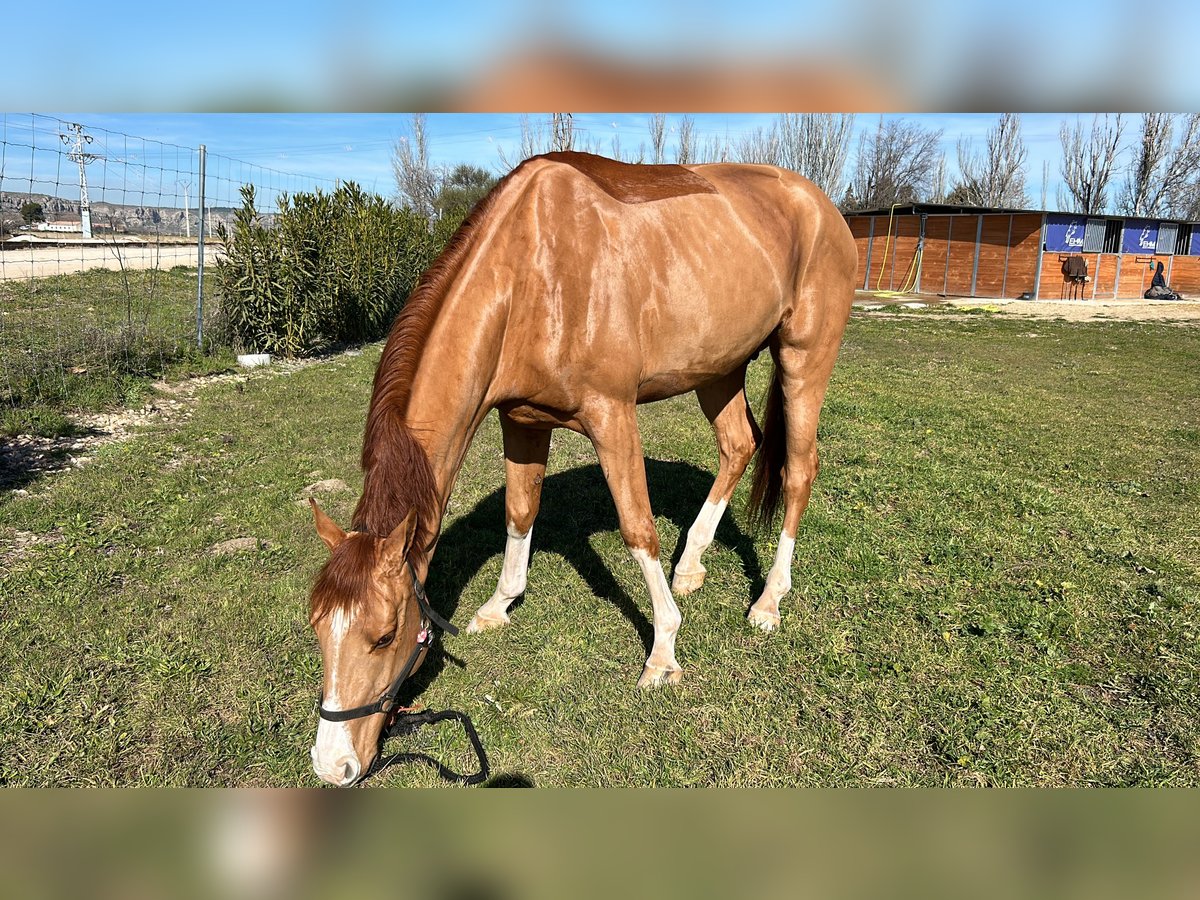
column 408, row 722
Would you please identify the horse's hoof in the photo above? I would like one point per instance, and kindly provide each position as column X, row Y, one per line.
column 685, row 582
column 767, row 621
column 479, row 623
column 656, row 676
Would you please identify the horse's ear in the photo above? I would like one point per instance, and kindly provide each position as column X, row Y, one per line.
column 396, row 544
column 328, row 529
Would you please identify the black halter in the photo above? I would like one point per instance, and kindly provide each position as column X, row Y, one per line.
column 402, row 722
column 387, row 702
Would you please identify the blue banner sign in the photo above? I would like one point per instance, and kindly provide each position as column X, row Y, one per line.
column 1194, row 250
column 1064, row 234
column 1140, row 236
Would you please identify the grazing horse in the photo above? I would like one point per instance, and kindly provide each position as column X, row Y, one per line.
column 577, row 289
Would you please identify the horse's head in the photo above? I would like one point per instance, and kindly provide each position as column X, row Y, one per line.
column 373, row 635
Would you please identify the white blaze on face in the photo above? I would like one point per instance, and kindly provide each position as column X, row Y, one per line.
column 333, row 756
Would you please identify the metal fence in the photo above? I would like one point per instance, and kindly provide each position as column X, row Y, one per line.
column 103, row 241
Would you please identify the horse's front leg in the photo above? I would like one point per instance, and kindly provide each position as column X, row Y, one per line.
column 525, row 453
column 614, row 432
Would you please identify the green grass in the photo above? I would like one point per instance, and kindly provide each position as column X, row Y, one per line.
column 87, row 342
column 997, row 583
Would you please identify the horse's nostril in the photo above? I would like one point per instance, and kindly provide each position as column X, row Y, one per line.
column 350, row 772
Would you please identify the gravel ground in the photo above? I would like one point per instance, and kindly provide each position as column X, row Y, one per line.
column 1091, row 310
column 25, row 457
column 1186, row 311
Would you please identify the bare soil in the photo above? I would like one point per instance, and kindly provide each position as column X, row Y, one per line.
column 26, row 457
column 1180, row 311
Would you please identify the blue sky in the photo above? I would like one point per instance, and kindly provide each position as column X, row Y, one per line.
column 298, row 151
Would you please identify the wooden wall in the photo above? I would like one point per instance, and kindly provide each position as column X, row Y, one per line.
column 889, row 257
column 1001, row 256
column 860, row 227
column 1023, row 257
column 1183, row 275
column 961, row 256
column 1006, row 247
column 1123, row 276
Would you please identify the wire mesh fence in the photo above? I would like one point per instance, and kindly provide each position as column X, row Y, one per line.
column 100, row 252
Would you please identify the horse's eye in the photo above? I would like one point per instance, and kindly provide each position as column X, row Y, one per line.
column 385, row 640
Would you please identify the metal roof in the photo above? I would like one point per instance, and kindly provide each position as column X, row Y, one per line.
column 944, row 209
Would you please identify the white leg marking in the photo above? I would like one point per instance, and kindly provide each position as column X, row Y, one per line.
column 513, row 578
column 689, row 574
column 661, row 666
column 333, row 756
column 765, row 612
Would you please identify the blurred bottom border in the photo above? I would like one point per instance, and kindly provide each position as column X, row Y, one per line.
column 593, row 843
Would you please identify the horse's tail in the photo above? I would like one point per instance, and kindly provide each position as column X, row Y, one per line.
column 767, row 486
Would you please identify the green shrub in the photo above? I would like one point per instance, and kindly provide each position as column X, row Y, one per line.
column 330, row 269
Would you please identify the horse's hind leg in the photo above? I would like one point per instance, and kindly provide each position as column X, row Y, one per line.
column 724, row 404
column 804, row 376
column 525, row 453
column 614, row 432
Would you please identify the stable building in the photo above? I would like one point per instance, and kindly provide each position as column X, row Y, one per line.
column 963, row 251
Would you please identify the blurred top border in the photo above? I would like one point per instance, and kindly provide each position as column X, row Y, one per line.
column 536, row 56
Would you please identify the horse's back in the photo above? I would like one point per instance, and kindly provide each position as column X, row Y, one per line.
column 665, row 293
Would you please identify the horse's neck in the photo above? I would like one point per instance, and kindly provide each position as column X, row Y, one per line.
column 450, row 390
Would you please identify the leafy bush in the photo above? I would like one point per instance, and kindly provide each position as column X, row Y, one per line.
column 329, row 269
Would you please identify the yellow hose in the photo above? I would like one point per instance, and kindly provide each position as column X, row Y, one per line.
column 914, row 270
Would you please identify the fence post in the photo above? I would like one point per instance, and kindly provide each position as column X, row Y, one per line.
column 200, row 260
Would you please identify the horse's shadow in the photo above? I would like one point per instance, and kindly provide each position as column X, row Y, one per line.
column 575, row 505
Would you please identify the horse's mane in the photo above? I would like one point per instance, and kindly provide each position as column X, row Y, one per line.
column 397, row 473
column 396, row 469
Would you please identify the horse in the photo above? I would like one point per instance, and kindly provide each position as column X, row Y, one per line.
column 578, row 288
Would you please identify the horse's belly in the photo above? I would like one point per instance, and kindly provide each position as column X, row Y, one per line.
column 681, row 353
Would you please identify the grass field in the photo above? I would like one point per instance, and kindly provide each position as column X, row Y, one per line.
column 997, row 583
column 74, row 343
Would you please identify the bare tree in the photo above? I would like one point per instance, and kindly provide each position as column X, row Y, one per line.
column 658, row 136
column 937, row 193
column 816, row 145
column 1161, row 168
column 533, row 142
column 997, row 178
column 760, row 147
column 562, row 128
column 714, row 150
column 1088, row 162
column 1187, row 205
column 686, row 152
column 416, row 180
column 895, row 164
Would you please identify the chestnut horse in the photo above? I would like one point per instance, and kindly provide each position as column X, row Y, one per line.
column 577, row 289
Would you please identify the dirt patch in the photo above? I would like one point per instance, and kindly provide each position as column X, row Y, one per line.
column 1178, row 311
column 25, row 458
column 1095, row 310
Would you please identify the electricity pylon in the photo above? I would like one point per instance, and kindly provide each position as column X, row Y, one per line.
column 81, row 156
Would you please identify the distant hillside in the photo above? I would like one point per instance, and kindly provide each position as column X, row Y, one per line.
column 127, row 219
